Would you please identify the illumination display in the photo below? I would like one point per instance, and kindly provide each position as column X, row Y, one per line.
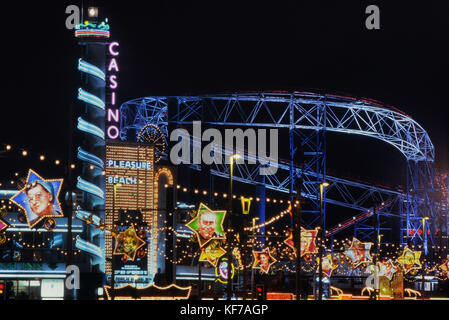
column 88, row 127
column 127, row 243
column 39, row 198
column 263, row 260
column 212, row 252
column 89, row 187
column 308, row 241
column 387, row 269
column 358, row 252
column 90, row 98
column 125, row 163
column 112, row 112
column 91, row 69
column 445, row 267
column 88, row 157
column 3, row 225
column 88, row 247
column 409, row 260
column 88, row 30
column 328, row 266
column 207, row 224
column 221, row 271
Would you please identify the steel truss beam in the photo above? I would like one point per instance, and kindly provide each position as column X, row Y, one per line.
column 307, row 116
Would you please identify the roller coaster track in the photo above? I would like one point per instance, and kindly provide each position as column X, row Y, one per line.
column 297, row 111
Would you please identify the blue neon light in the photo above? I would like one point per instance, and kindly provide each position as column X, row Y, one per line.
column 88, row 247
column 82, row 215
column 91, row 69
column 88, row 157
column 90, row 128
column 90, row 98
column 89, row 187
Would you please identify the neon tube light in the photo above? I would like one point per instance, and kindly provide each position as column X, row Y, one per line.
column 88, row 247
column 90, row 98
column 90, row 128
column 91, row 69
column 88, row 157
column 92, row 33
column 89, row 187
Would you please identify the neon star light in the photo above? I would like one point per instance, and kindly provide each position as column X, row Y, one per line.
column 3, row 225
column 212, row 252
column 308, row 241
column 358, row 252
column 409, row 260
column 39, row 198
column 328, row 266
column 127, row 243
column 263, row 260
column 207, row 224
column 445, row 267
column 387, row 269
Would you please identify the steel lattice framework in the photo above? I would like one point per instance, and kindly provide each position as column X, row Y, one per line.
column 307, row 117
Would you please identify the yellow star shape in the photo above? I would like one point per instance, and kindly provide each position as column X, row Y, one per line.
column 263, row 260
column 409, row 259
column 328, row 265
column 212, row 253
column 127, row 243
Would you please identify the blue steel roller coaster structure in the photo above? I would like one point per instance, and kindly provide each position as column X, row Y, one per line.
column 308, row 117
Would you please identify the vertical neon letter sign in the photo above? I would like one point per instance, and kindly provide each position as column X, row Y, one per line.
column 112, row 112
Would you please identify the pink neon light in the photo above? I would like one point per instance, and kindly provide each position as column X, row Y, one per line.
column 113, row 115
column 113, row 98
column 116, row 133
column 111, row 49
column 113, row 65
column 113, row 82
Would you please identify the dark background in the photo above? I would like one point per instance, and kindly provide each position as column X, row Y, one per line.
column 195, row 47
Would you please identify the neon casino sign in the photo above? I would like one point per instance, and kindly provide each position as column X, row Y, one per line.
column 112, row 111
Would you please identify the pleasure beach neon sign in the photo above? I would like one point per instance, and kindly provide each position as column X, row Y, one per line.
column 112, row 111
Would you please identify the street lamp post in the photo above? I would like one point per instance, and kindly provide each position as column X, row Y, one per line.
column 231, row 172
column 252, row 269
column 424, row 246
column 114, row 195
column 320, row 249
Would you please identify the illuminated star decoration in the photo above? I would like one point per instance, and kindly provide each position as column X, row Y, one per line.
column 212, row 253
column 387, row 269
column 214, row 231
column 328, row 266
column 445, row 267
column 308, row 241
column 269, row 262
column 127, row 243
column 409, row 260
column 21, row 198
column 358, row 252
column 3, row 225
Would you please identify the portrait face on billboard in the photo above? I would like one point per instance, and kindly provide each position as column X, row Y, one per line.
column 207, row 224
column 212, row 252
column 263, row 260
column 409, row 260
column 39, row 198
column 308, row 241
column 128, row 243
column 359, row 252
column 387, row 269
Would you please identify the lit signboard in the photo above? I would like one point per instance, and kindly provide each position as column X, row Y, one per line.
column 112, row 111
column 130, row 171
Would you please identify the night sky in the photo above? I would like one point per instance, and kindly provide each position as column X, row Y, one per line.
column 199, row 47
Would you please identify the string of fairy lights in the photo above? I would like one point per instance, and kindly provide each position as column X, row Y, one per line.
column 272, row 238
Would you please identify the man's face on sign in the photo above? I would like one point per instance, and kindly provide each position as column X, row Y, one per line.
column 40, row 200
column 359, row 252
column 207, row 224
column 263, row 258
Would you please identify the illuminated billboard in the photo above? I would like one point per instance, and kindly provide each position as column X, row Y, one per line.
column 130, row 192
column 39, row 198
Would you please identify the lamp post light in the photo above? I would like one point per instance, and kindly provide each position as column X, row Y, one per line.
column 424, row 248
column 252, row 269
column 231, row 173
column 114, row 195
column 320, row 249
